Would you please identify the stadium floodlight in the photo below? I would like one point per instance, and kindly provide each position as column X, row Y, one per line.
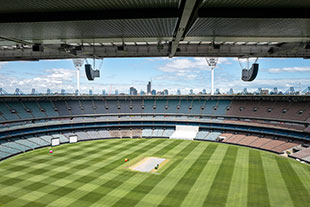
column 78, row 63
column 212, row 63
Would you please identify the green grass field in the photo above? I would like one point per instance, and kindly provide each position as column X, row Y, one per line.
column 198, row 174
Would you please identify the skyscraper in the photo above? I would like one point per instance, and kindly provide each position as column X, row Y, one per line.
column 149, row 88
column 133, row 91
column 166, row 92
column 153, row 92
column 178, row 92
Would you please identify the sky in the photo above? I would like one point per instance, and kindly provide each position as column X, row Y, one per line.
column 165, row 73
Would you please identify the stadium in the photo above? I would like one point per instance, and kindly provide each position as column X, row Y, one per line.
column 154, row 150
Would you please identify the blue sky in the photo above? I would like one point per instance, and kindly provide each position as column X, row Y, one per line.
column 165, row 73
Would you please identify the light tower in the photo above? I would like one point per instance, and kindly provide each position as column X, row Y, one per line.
column 212, row 63
column 78, row 63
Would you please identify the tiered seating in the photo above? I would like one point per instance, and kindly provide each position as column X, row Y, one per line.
column 126, row 133
column 304, row 153
column 4, row 154
column 38, row 141
column 46, row 138
column 100, row 107
column 261, row 141
column 93, row 134
column 20, row 110
column 248, row 140
column 7, row 113
column 136, row 106
column 285, row 146
column 104, row 133
column 236, row 138
column 275, row 143
column 196, row 104
column 136, row 133
column 124, row 107
column 88, row 107
column 168, row 132
column 27, row 143
column 76, row 108
column 115, row 133
column 148, row 106
column 158, row 133
column 112, row 106
column 35, row 110
column 212, row 136
column 202, row 135
column 15, row 145
column 62, row 108
column 61, row 137
column 147, row 132
column 82, row 135
column 48, row 108
column 9, row 149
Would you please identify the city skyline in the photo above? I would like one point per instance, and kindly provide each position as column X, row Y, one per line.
column 173, row 74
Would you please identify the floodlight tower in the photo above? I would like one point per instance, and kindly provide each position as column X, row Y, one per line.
column 212, row 63
column 78, row 63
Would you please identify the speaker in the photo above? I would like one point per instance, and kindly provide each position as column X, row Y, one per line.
column 37, row 48
column 90, row 73
column 250, row 74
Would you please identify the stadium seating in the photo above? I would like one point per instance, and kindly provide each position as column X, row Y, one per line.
column 283, row 124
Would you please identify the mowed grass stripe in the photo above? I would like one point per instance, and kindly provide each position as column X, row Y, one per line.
column 277, row 190
column 99, row 181
column 257, row 188
column 137, row 185
column 135, row 195
column 218, row 193
column 107, row 187
column 303, row 171
column 82, row 180
column 50, row 170
column 43, row 156
column 153, row 189
column 197, row 194
column 238, row 190
column 179, row 192
column 299, row 194
column 34, row 178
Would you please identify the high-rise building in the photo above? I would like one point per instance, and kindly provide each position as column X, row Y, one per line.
column 178, row 92
column 142, row 93
column 149, row 88
column 133, row 91
column 166, row 92
column 153, row 92
column 116, row 92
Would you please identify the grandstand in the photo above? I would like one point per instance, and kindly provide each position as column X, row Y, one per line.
column 276, row 124
column 241, row 150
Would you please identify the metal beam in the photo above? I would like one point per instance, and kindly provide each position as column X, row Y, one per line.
column 247, row 39
column 286, row 13
column 88, row 15
column 185, row 50
column 187, row 12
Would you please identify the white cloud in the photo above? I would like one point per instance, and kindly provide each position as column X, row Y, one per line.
column 289, row 69
column 55, row 79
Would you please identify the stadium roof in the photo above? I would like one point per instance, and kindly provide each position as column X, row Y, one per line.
column 153, row 28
